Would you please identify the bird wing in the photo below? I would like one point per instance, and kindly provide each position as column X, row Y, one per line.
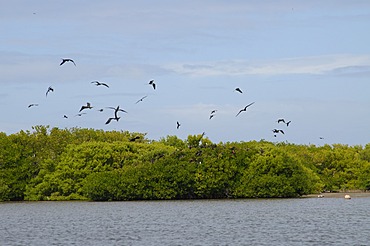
column 104, row 84
column 82, row 108
column 239, row 112
column 249, row 105
column 63, row 61
column 122, row 110
column 108, row 121
column 73, row 62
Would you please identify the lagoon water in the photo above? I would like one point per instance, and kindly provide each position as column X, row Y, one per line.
column 305, row 221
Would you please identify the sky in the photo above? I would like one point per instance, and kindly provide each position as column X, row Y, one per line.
column 307, row 62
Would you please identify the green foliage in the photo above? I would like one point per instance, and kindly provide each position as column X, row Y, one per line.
column 69, row 164
column 274, row 173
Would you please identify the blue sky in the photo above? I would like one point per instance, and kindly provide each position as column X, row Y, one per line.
column 304, row 61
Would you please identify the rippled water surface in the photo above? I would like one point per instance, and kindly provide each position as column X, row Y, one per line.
column 308, row 221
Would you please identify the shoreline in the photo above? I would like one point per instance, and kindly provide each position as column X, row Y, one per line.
column 353, row 194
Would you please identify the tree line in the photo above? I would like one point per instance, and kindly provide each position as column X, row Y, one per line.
column 87, row 164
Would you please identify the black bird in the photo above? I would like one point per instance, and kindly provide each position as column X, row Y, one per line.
column 88, row 106
column 141, row 99
column 152, row 83
column 238, row 90
column 101, row 110
column 321, row 138
column 244, row 109
column 64, row 60
column 178, row 125
column 65, row 116
column 287, row 124
column 278, row 130
column 97, row 83
column 33, row 105
column 112, row 118
column 116, row 110
column 281, row 120
column 212, row 113
column 49, row 90
column 134, row 138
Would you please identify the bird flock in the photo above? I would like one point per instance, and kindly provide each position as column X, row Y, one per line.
column 117, row 110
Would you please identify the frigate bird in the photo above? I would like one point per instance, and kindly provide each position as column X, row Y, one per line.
column 152, row 83
column 49, row 90
column 276, row 131
column 211, row 116
column 88, row 106
column 238, row 90
column 112, row 118
column 244, row 109
column 177, row 125
column 134, row 138
column 64, row 60
column 97, row 83
column 141, row 99
column 116, row 110
column 33, row 105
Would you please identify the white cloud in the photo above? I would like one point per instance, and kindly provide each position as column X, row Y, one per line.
column 298, row 65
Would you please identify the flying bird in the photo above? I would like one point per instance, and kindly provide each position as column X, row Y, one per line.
column 88, row 106
column 244, row 109
column 276, row 131
column 287, row 124
column 178, row 125
column 112, row 118
column 65, row 116
column 141, row 99
column 33, row 105
column 281, row 120
column 64, row 60
column 238, row 90
column 49, row 90
column 152, row 83
column 97, row 83
column 116, row 110
column 212, row 113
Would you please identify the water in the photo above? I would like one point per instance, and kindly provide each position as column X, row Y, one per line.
column 308, row 221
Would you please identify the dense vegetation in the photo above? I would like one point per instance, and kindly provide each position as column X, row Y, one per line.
column 70, row 164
